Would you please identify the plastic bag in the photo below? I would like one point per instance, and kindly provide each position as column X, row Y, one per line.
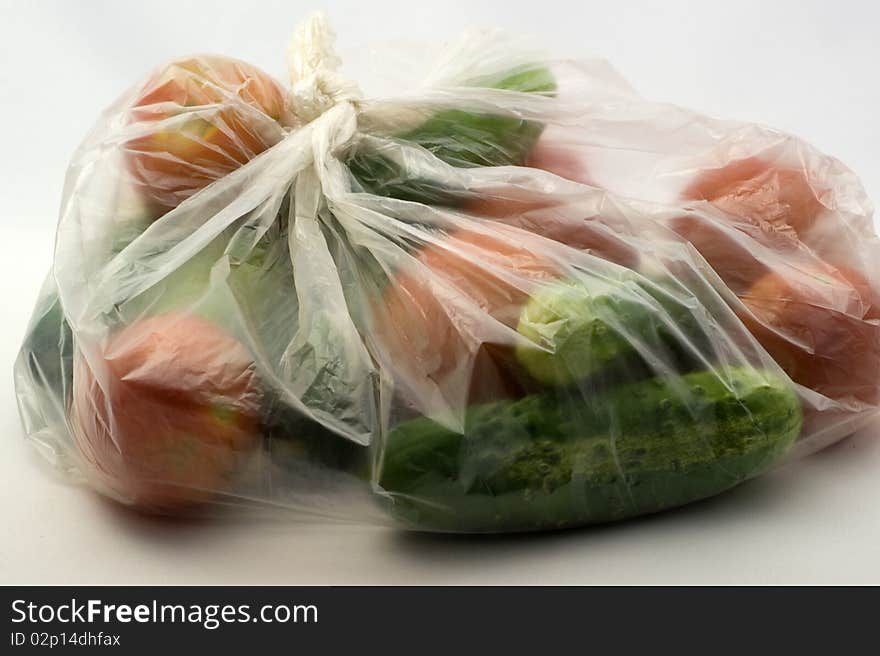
column 519, row 297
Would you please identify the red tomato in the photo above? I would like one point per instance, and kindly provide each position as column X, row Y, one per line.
column 169, row 412
column 203, row 117
column 811, row 323
column 561, row 159
column 867, row 292
column 544, row 216
column 488, row 205
column 438, row 314
column 727, row 250
column 809, row 316
column 763, row 193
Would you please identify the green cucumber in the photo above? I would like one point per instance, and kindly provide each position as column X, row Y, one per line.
column 48, row 345
column 465, row 139
column 578, row 328
column 291, row 439
column 557, row 460
column 459, row 138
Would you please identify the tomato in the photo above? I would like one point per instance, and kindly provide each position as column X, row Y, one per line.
column 167, row 412
column 868, row 292
column 811, row 322
column 197, row 120
column 445, row 317
column 783, row 198
column 811, row 317
column 728, row 251
column 561, row 222
column 560, row 158
column 489, row 205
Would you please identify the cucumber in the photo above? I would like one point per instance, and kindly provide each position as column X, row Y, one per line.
column 48, row 345
column 556, row 460
column 588, row 326
column 465, row 139
column 292, row 439
column 459, row 138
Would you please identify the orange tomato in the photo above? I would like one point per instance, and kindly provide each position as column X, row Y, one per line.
column 761, row 192
column 440, row 314
column 168, row 412
column 201, row 118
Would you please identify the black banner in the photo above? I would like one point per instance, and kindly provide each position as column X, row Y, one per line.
column 318, row 620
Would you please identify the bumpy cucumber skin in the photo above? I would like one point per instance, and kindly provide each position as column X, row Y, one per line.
column 549, row 461
column 459, row 138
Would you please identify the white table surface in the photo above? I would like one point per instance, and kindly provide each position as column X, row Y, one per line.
column 807, row 67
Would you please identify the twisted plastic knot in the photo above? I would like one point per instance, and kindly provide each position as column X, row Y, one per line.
column 312, row 62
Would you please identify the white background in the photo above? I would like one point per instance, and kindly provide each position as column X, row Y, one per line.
column 805, row 67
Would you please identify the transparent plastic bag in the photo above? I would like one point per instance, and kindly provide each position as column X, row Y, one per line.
column 518, row 297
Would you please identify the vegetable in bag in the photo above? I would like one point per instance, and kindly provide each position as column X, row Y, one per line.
column 196, row 120
column 519, row 297
column 552, row 460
